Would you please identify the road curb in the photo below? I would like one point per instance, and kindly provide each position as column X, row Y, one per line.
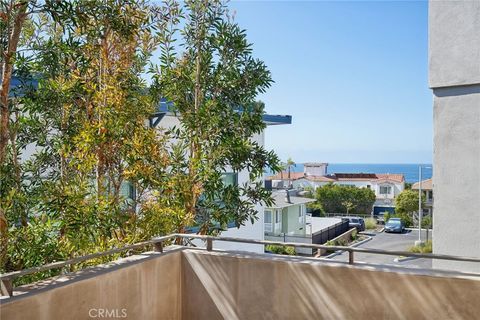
column 370, row 234
column 416, row 229
column 402, row 259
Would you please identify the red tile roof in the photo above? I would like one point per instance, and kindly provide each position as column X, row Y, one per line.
column 341, row 177
column 426, row 185
column 391, row 177
column 284, row 176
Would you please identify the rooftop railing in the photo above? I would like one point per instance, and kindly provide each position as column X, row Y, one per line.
column 158, row 244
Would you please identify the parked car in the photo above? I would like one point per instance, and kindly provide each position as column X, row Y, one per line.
column 356, row 222
column 395, row 225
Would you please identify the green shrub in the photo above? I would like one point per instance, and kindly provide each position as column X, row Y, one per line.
column 426, row 248
column 281, row 250
column 406, row 218
column 370, row 223
column 353, row 235
column 387, row 216
column 330, row 243
column 427, row 222
column 290, row 251
column 316, row 209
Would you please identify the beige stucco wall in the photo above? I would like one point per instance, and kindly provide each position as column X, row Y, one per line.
column 227, row 286
column 196, row 284
column 145, row 289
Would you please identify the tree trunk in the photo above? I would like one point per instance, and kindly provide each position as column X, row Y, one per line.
column 195, row 152
column 7, row 70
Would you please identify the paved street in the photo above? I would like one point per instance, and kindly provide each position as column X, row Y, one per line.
column 389, row 241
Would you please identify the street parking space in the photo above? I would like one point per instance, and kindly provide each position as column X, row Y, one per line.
column 393, row 242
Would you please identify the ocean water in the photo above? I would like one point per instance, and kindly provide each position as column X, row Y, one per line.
column 410, row 171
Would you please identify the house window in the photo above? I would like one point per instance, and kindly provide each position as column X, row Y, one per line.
column 230, row 178
column 385, row 189
column 127, row 190
column 429, row 195
column 268, row 221
column 278, row 217
column 268, row 216
column 368, row 186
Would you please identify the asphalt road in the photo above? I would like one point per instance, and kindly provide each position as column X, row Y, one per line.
column 389, row 241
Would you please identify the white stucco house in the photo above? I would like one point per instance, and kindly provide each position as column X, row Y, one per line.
column 385, row 185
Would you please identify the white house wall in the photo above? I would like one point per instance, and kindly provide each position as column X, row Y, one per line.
column 397, row 187
column 315, row 170
column 304, row 183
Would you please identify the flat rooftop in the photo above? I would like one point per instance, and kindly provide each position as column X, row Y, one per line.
column 320, row 223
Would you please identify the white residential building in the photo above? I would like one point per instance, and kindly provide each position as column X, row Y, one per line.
column 386, row 186
column 315, row 168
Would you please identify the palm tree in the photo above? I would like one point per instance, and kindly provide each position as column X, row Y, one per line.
column 289, row 165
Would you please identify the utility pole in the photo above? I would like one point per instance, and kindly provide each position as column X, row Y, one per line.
column 419, row 242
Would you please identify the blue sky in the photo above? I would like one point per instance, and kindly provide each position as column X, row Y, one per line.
column 352, row 74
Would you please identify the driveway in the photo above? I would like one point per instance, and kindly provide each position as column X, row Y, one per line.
column 389, row 241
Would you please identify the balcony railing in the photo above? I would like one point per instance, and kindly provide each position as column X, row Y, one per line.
column 158, row 244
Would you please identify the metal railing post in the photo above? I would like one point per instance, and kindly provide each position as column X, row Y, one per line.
column 158, row 246
column 350, row 257
column 209, row 244
column 6, row 286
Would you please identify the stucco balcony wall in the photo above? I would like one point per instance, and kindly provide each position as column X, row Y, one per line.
column 197, row 284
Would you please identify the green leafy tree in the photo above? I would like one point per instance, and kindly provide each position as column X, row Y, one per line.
column 18, row 20
column 407, row 202
column 87, row 122
column 213, row 83
column 348, row 205
column 406, row 206
column 338, row 198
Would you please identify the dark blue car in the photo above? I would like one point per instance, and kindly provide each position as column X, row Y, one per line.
column 394, row 225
